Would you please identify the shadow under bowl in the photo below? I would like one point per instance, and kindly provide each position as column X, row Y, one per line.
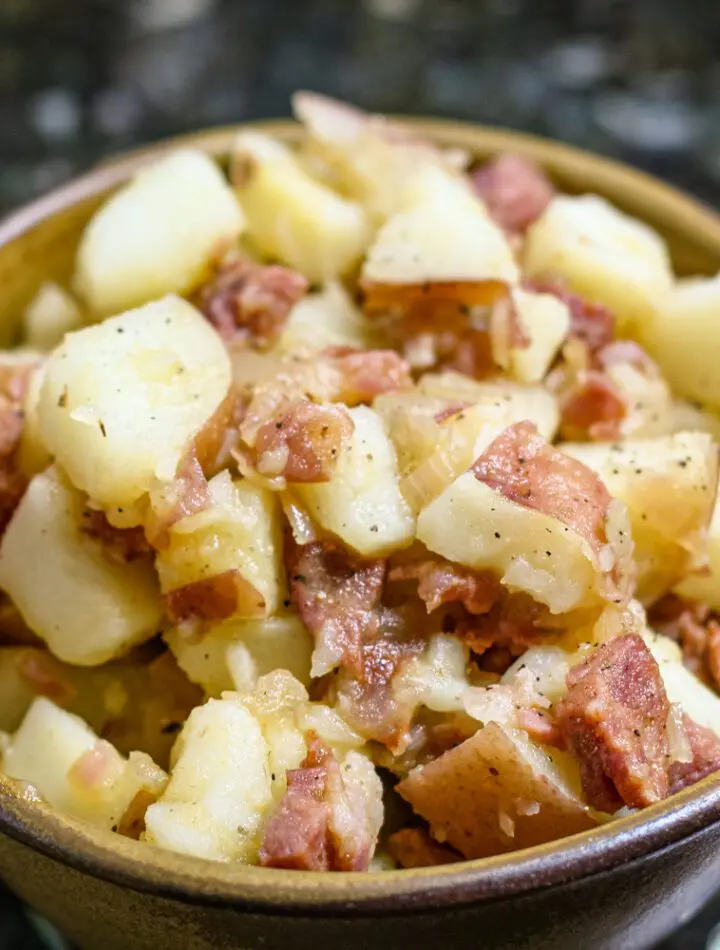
column 623, row 886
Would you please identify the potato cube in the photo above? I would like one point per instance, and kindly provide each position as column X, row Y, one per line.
column 603, row 254
column 158, row 234
column 361, row 503
column 238, row 538
column 32, row 454
column 75, row 771
column 327, row 318
column 292, row 217
column 121, row 402
column 91, row 607
column 545, row 321
column 219, row 789
column 49, row 316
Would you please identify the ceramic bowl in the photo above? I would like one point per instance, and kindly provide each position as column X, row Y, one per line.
column 620, row 887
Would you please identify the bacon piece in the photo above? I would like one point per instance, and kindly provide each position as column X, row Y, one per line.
column 442, row 582
column 303, row 443
column 187, row 494
column 627, row 351
column 90, row 770
column 593, row 406
column 45, row 676
column 525, row 469
column 696, row 629
column 415, row 848
column 245, row 300
column 705, row 748
column 122, row 544
column 368, row 374
column 214, row 598
column 336, row 595
column 541, row 726
column 416, row 300
column 515, row 190
column 591, row 323
column 317, row 826
column 514, row 623
column 614, row 720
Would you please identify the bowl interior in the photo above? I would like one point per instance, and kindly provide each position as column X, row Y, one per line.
column 38, row 243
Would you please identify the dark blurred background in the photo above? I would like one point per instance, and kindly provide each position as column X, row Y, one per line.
column 81, row 79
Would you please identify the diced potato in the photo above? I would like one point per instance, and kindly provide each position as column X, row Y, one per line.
column 121, row 401
column 686, row 417
column 234, row 654
column 366, row 157
column 549, row 667
column 32, row 454
column 498, row 791
column 545, row 320
column 327, row 318
column 684, row 338
column 443, row 234
column 91, row 607
column 239, row 535
column 683, row 687
column 362, row 503
column 49, row 316
column 437, row 678
column 292, row 217
column 74, row 770
column 471, row 524
column 649, row 400
column 603, row 254
column 219, row 789
column 651, row 475
column 158, row 234
column 705, row 584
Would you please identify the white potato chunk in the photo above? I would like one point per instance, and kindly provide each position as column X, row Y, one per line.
column 92, row 607
column 219, row 789
column 75, row 771
column 437, row 679
column 473, row 525
column 683, row 687
column 603, row 254
column 234, row 654
column 49, row 316
column 32, row 453
column 545, row 321
column 121, row 401
column 652, row 475
column 361, row 503
column 327, row 318
column 158, row 234
column 239, row 536
column 684, row 338
column 443, row 234
column 292, row 217
column 686, row 417
column 705, row 584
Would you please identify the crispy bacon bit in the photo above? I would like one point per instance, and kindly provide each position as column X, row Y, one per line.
column 416, row 848
column 541, row 726
column 45, row 676
column 424, row 300
column 705, row 748
column 591, row 323
column 306, row 440
column 367, row 374
column 214, row 598
column 336, row 595
column 316, row 828
column 368, row 698
column 442, row 582
column 515, row 190
column 524, row 468
column 245, row 300
column 187, row 494
column 122, row 544
column 696, row 629
column 470, row 353
column 514, row 623
column 593, row 407
column 614, row 720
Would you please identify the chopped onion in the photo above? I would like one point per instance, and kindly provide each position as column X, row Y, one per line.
column 301, row 524
column 678, row 742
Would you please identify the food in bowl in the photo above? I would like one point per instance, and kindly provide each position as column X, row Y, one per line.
column 359, row 509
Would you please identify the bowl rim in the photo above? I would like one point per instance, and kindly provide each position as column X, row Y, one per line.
column 274, row 891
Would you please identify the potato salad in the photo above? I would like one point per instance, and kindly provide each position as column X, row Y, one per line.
column 358, row 509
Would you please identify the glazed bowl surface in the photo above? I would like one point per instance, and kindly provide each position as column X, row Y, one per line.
column 623, row 886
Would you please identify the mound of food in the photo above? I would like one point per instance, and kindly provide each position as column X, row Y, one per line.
column 359, row 509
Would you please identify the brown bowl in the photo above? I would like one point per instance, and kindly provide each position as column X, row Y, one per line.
column 625, row 885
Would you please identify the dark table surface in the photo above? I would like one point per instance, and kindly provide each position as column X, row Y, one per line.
column 80, row 79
